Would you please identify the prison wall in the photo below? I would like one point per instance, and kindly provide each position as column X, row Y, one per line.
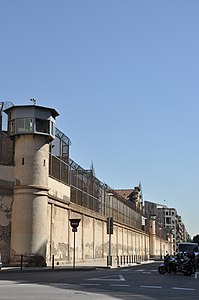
column 91, row 238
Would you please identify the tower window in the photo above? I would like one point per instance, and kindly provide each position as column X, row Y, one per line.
column 25, row 125
column 42, row 126
column 11, row 126
column 22, row 161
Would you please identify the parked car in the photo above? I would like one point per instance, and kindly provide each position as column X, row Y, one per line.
column 188, row 247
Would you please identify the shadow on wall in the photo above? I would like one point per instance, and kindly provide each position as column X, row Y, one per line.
column 29, row 259
column 34, row 261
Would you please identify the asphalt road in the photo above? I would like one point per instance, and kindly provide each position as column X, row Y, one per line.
column 139, row 282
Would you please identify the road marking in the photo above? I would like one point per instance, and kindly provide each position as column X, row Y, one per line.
column 183, row 289
column 90, row 284
column 151, row 286
column 113, row 284
column 122, row 278
column 146, row 272
column 23, row 284
column 110, row 278
column 61, row 284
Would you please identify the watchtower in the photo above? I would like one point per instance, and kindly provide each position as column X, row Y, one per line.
column 31, row 127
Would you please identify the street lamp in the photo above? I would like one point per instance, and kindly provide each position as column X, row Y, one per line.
column 109, row 230
column 160, row 242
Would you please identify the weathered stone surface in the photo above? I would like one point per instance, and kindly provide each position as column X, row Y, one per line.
column 5, row 226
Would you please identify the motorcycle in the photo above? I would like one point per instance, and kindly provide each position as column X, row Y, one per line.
column 166, row 266
column 192, row 260
column 176, row 264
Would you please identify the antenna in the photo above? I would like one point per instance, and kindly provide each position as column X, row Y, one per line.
column 33, row 101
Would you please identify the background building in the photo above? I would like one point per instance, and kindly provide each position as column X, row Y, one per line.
column 169, row 219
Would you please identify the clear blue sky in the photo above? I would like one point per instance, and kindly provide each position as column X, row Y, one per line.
column 123, row 74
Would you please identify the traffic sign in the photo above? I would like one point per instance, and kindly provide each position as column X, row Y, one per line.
column 74, row 223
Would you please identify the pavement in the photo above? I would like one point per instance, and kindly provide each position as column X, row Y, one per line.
column 79, row 265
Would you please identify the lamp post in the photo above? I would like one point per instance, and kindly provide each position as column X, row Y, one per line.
column 109, row 230
column 160, row 242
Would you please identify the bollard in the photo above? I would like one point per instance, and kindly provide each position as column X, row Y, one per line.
column 118, row 261
column 53, row 262
column 21, row 263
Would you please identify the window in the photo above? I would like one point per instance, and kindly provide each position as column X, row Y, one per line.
column 52, row 129
column 168, row 220
column 12, row 126
column 42, row 126
column 25, row 125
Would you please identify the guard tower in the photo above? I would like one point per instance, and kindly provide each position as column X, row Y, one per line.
column 31, row 127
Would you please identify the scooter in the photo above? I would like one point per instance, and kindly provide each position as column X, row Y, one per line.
column 176, row 264
column 166, row 266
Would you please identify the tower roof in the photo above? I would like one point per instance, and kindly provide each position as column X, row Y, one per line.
column 54, row 113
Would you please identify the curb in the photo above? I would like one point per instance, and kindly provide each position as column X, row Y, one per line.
column 67, row 268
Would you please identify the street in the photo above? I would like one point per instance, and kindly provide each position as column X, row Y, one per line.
column 138, row 282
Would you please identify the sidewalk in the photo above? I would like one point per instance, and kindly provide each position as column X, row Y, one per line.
column 79, row 265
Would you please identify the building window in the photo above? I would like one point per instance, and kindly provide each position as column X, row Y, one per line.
column 168, row 220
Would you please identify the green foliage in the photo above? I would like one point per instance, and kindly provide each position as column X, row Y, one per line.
column 196, row 239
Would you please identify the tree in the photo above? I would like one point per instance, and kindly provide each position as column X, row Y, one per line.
column 196, row 239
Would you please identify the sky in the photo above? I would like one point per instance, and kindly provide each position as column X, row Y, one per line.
column 123, row 75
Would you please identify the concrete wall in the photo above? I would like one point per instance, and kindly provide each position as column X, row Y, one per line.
column 6, row 201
